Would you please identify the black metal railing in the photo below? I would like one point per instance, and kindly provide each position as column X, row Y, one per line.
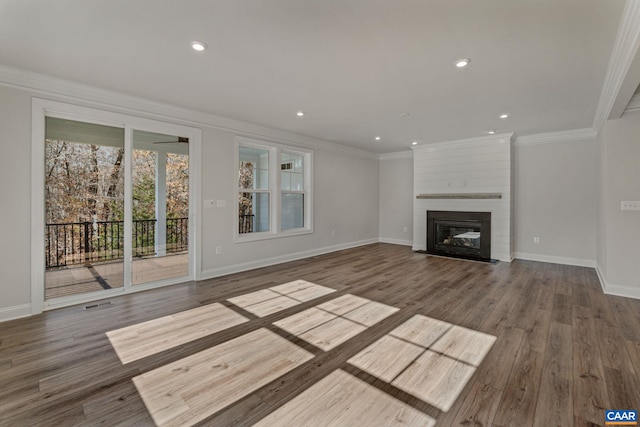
column 177, row 234
column 245, row 224
column 98, row 241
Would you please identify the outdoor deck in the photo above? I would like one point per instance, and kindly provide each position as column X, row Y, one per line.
column 78, row 279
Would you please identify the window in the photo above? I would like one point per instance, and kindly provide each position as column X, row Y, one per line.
column 254, row 197
column 274, row 190
column 291, row 190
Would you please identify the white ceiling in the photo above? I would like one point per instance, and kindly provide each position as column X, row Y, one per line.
column 353, row 66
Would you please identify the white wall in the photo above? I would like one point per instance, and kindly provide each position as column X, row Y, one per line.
column 15, row 194
column 601, row 227
column 345, row 190
column 363, row 199
column 345, row 201
column 619, row 258
column 556, row 200
column 396, row 198
column 479, row 165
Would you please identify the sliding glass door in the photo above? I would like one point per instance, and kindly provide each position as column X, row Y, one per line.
column 84, row 207
column 160, row 196
column 117, row 211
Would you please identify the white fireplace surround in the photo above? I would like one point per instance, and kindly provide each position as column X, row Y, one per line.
column 472, row 175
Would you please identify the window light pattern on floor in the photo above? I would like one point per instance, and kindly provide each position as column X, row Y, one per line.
column 145, row 339
column 277, row 298
column 340, row 399
column 189, row 390
column 427, row 358
column 193, row 388
column 334, row 322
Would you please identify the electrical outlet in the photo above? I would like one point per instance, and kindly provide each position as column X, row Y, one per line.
column 218, row 250
column 536, row 240
column 630, row 205
column 405, row 229
column 333, row 233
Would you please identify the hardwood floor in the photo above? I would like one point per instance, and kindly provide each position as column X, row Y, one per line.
column 563, row 353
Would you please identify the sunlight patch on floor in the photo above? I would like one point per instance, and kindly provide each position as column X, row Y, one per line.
column 272, row 300
column 427, row 358
column 191, row 389
column 154, row 336
column 330, row 324
column 340, row 399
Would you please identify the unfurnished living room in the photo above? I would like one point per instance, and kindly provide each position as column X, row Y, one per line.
column 320, row 213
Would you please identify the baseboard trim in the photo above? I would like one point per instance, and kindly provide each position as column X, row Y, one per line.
column 266, row 262
column 15, row 312
column 396, row 241
column 617, row 290
column 621, row 291
column 603, row 282
column 579, row 262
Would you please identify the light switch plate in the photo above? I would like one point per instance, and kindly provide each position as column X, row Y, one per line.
column 221, row 203
column 208, row 203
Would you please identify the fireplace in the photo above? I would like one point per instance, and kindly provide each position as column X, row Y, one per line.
column 459, row 234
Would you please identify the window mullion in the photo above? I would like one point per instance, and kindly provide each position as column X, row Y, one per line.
column 274, row 183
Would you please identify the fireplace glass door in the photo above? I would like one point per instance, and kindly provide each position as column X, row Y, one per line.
column 459, row 237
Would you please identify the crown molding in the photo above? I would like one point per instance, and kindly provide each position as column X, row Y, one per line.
column 624, row 51
column 489, row 139
column 90, row 96
column 634, row 104
column 397, row 155
column 555, row 137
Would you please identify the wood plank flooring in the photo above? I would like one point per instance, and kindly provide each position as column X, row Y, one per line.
column 563, row 351
column 154, row 336
column 191, row 389
column 341, row 399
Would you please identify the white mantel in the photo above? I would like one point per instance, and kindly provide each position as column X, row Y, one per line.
column 464, row 172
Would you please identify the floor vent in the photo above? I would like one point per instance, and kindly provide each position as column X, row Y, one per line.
column 103, row 304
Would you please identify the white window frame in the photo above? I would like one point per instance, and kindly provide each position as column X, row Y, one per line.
column 274, row 190
column 304, row 185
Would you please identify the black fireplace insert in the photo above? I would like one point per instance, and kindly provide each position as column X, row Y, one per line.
column 459, row 234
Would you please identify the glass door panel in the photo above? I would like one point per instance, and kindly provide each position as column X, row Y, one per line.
column 84, row 207
column 160, row 205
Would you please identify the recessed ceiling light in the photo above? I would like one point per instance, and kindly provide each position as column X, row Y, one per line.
column 491, row 132
column 198, row 46
column 461, row 63
column 300, row 113
column 504, row 116
column 377, row 138
column 414, row 143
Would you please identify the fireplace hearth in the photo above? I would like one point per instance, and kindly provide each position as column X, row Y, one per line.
column 459, row 234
